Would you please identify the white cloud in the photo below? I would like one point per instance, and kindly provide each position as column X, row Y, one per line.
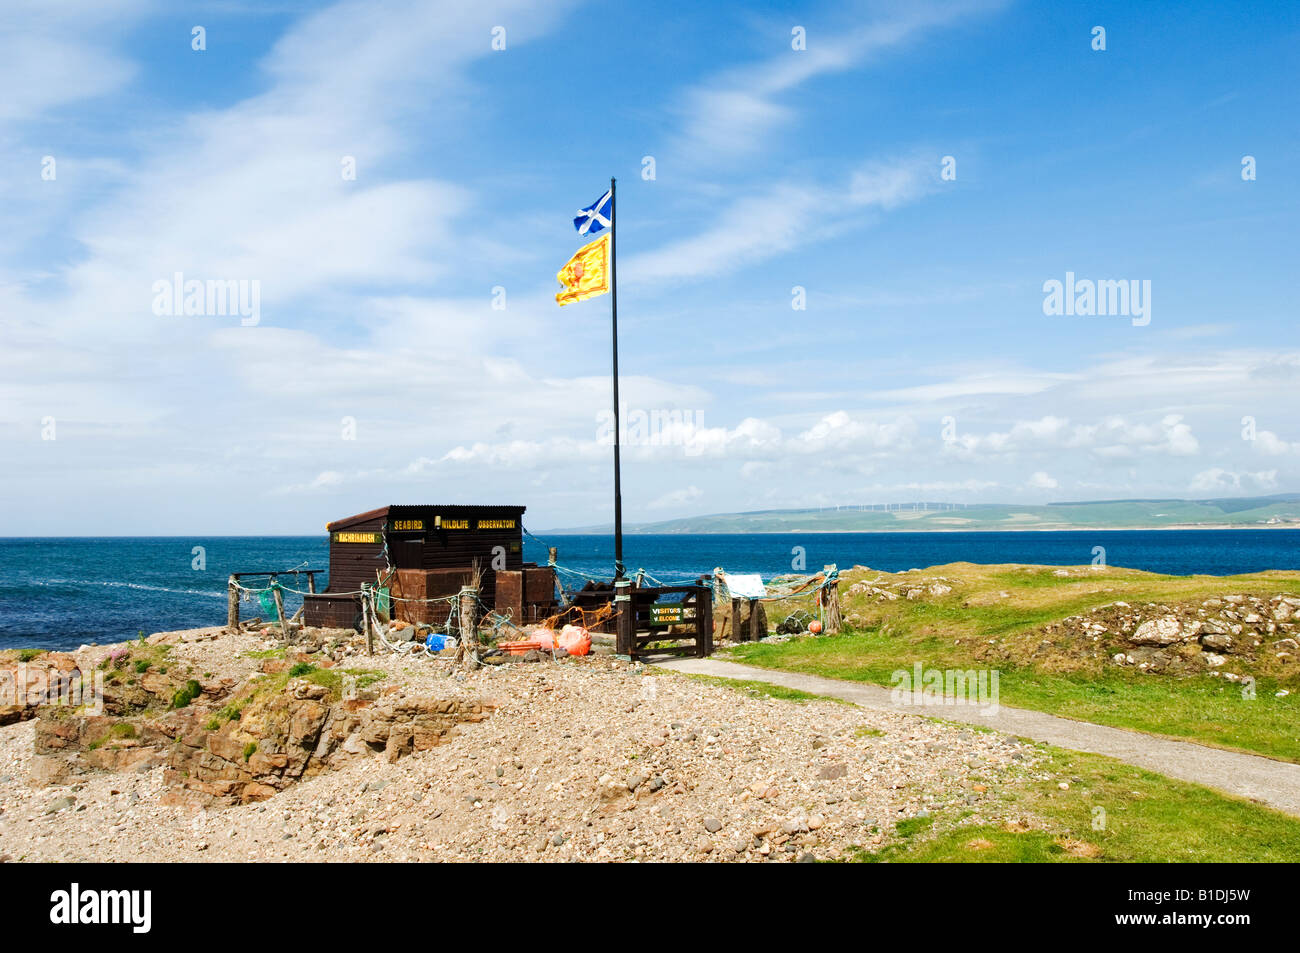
column 1041, row 481
column 1271, row 444
column 1219, row 480
column 1114, row 437
column 786, row 216
column 53, row 54
column 731, row 114
column 675, row 499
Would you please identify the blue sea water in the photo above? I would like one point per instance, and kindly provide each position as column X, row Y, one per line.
column 60, row 593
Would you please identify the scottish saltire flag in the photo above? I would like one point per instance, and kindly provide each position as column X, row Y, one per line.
column 597, row 216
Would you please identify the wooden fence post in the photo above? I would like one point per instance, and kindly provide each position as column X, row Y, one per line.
column 831, row 599
column 624, row 619
column 311, row 581
column 756, row 634
column 469, row 623
column 704, row 622
column 232, row 602
column 279, row 609
column 367, row 618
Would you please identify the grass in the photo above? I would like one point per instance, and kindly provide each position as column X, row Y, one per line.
column 183, row 696
column 1202, row 709
column 265, row 653
column 365, row 677
column 1112, row 812
column 120, row 730
column 764, row 690
column 994, row 618
column 332, row 679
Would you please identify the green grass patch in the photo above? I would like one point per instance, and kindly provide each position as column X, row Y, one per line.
column 1112, row 812
column 265, row 653
column 994, row 619
column 1199, row 708
column 122, row 730
column 756, row 689
column 364, row 677
column 183, row 696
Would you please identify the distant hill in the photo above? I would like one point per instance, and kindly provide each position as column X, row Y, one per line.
column 1236, row 512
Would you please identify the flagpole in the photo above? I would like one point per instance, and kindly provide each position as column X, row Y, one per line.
column 613, row 300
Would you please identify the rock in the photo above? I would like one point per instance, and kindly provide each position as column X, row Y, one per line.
column 61, row 804
column 712, row 825
column 1165, row 630
column 831, row 772
column 795, row 824
column 49, row 770
column 1219, row 642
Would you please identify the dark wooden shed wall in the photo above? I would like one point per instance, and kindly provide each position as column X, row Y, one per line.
column 430, row 548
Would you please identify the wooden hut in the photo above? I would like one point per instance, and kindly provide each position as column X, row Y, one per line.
column 424, row 553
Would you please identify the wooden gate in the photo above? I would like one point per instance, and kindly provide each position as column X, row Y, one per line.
column 652, row 614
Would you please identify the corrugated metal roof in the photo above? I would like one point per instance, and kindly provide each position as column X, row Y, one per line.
column 407, row 509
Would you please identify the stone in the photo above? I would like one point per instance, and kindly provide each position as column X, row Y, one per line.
column 61, row 804
column 1218, row 641
column 831, row 772
column 712, row 825
column 50, row 770
column 796, row 824
column 1165, row 630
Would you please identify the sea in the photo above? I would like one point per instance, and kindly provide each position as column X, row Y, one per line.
column 59, row 593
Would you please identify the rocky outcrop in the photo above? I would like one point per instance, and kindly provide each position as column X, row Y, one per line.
column 274, row 731
column 1250, row 632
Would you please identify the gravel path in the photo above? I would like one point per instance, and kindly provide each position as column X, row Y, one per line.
column 584, row 759
column 1275, row 783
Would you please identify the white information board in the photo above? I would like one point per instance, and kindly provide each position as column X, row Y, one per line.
column 746, row 586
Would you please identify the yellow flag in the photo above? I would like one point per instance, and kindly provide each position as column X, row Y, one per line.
column 586, row 274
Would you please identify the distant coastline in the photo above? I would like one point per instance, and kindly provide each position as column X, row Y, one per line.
column 590, row 531
column 1279, row 511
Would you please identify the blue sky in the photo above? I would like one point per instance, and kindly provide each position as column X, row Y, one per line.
column 923, row 365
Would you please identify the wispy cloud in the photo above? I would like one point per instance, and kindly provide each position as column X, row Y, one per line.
column 754, row 228
column 730, row 114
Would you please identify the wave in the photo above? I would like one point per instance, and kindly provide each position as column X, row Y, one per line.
column 129, row 585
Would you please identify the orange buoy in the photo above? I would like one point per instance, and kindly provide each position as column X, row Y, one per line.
column 814, row 627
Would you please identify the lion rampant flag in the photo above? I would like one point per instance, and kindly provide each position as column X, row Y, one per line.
column 586, row 274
